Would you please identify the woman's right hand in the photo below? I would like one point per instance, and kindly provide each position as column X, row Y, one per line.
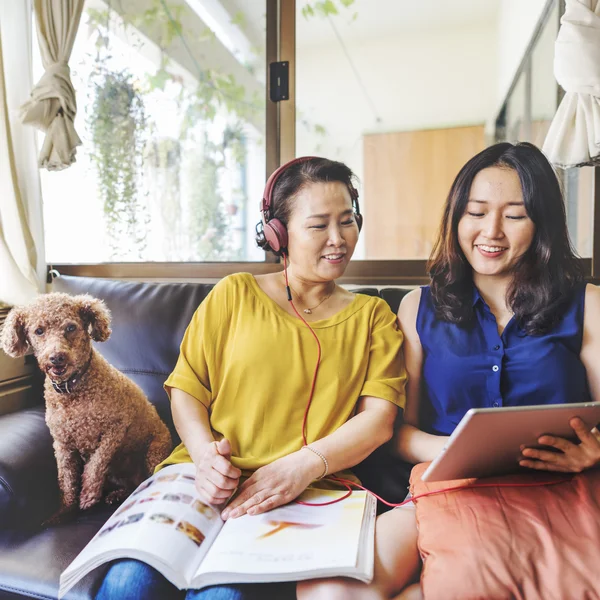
column 216, row 477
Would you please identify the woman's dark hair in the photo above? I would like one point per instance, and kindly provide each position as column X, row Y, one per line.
column 293, row 179
column 543, row 278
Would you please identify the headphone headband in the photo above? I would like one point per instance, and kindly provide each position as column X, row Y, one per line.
column 267, row 199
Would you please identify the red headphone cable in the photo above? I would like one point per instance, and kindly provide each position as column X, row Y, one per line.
column 312, row 388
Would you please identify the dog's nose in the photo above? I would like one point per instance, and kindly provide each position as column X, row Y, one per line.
column 58, row 359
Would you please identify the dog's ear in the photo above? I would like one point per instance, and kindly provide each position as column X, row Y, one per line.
column 95, row 316
column 13, row 337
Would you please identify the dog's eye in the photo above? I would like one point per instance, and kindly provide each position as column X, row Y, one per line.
column 39, row 331
column 71, row 328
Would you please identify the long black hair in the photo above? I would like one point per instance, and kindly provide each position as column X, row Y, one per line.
column 543, row 278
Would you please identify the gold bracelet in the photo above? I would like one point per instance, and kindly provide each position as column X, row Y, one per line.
column 322, row 457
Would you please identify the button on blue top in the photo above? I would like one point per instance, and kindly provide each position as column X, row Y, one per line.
column 461, row 371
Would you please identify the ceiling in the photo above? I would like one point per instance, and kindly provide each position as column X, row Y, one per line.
column 364, row 19
column 381, row 18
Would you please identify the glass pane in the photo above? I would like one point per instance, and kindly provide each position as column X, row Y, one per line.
column 544, row 88
column 400, row 91
column 516, row 113
column 171, row 112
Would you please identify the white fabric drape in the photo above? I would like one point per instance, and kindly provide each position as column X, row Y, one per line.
column 52, row 106
column 22, row 261
column 573, row 139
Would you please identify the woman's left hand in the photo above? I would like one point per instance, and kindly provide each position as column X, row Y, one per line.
column 273, row 485
column 570, row 458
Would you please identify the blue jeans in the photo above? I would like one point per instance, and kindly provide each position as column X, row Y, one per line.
column 134, row 580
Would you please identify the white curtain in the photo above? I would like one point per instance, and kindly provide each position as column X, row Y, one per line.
column 22, row 261
column 52, row 106
column 573, row 139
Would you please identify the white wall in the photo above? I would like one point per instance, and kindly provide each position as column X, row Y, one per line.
column 425, row 80
column 415, row 81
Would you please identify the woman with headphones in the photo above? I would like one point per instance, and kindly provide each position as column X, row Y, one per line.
column 263, row 350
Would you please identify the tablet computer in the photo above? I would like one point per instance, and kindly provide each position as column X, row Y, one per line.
column 488, row 441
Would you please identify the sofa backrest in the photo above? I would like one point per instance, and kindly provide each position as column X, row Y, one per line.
column 148, row 323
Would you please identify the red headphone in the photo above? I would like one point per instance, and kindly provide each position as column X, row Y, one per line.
column 274, row 231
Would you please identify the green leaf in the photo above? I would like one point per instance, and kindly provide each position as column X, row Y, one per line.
column 328, row 7
column 239, row 19
column 159, row 80
column 308, row 11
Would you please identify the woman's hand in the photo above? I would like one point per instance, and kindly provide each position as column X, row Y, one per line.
column 216, row 477
column 570, row 458
column 273, row 485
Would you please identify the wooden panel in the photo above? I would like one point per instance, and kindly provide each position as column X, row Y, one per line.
column 407, row 176
column 20, row 393
column 20, row 381
column 11, row 368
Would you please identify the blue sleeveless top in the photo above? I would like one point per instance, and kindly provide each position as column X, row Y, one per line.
column 473, row 367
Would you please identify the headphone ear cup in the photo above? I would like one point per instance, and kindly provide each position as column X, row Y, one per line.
column 359, row 220
column 260, row 233
column 276, row 234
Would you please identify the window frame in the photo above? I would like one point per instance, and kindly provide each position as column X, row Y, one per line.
column 280, row 145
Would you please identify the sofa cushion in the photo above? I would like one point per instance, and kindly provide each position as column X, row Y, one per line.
column 31, row 561
column 393, row 296
column 28, row 478
column 516, row 538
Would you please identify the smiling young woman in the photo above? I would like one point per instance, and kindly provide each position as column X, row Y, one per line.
column 507, row 320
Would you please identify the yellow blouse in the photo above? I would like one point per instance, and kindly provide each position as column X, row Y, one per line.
column 251, row 364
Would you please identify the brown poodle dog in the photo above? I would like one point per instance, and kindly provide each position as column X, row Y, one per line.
column 107, row 436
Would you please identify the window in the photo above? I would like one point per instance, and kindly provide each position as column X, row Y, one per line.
column 171, row 112
column 403, row 92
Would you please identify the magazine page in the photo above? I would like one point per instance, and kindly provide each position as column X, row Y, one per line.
column 163, row 523
column 292, row 542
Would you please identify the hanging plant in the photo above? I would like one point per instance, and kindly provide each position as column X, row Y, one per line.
column 117, row 125
column 120, row 143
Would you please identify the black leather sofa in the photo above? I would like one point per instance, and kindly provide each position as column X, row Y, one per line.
column 149, row 320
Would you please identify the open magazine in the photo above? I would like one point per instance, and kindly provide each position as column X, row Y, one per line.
column 166, row 525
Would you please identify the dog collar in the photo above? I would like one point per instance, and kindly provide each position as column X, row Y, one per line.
column 66, row 387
